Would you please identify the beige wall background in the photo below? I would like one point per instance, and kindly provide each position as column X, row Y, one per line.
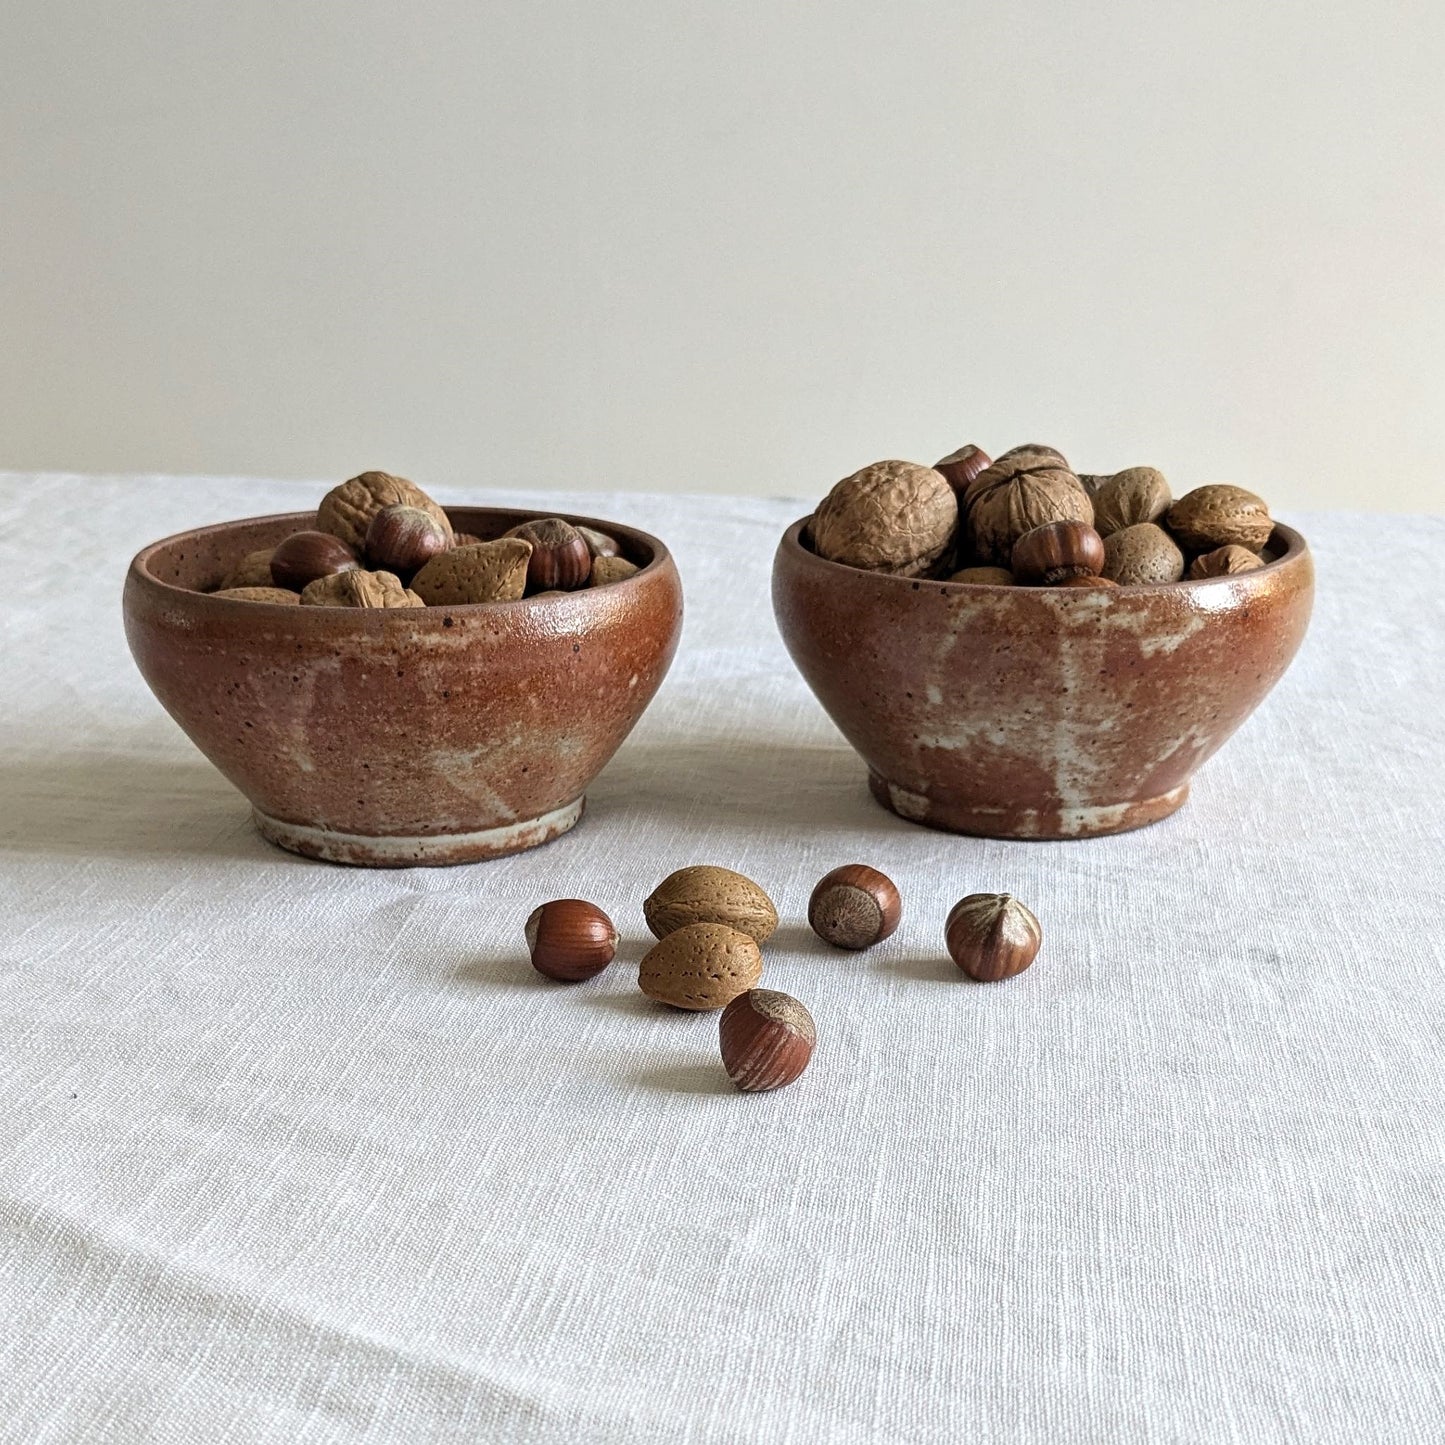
column 729, row 247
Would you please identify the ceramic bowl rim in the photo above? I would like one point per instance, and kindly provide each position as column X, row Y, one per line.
column 1296, row 547
column 542, row 601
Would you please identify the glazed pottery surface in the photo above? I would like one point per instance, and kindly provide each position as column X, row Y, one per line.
column 392, row 737
column 1038, row 712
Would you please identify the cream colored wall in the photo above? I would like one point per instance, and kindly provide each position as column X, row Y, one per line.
column 744, row 246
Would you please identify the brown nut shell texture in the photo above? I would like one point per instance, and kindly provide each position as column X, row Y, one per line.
column 359, row 588
column 346, row 511
column 253, row 570
column 610, row 569
column 1024, row 489
column 1142, row 556
column 1219, row 516
column 1137, row 494
column 985, row 577
column 766, row 1039
column 708, row 894
column 1224, row 562
column 484, row 572
column 892, row 516
column 259, row 594
column 701, row 966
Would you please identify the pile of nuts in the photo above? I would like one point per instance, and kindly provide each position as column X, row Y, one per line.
column 1028, row 519
column 380, row 541
column 711, row 923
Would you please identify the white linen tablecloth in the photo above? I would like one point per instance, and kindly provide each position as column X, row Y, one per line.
column 296, row 1153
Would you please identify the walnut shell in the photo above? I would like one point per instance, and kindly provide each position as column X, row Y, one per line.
column 1143, row 555
column 253, row 570
column 1219, row 516
column 1022, row 490
column 259, row 594
column 346, row 511
column 892, row 516
column 1137, row 494
column 1224, row 562
column 610, row 569
column 700, row 966
column 358, row 588
column 708, row 894
column 483, row 572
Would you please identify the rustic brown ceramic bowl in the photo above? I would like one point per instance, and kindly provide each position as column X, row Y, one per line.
column 1038, row 712
column 408, row 735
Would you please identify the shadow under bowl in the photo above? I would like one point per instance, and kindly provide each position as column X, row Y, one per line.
column 1038, row 712
column 395, row 737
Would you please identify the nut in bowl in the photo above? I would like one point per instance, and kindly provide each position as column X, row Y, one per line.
column 1078, row 707
column 392, row 735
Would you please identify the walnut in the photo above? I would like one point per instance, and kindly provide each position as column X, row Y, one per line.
column 1219, row 516
column 1224, row 562
column 359, row 588
column 1142, row 556
column 346, row 511
column 1137, row 494
column 1023, row 489
column 259, row 594
column 253, row 570
column 893, row 516
column 484, row 572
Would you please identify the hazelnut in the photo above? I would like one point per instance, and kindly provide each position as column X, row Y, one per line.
column 304, row 556
column 253, row 570
column 346, row 511
column 701, row 966
column 708, row 894
column 1088, row 581
column 985, row 576
column 560, row 560
column 1224, row 562
column 892, row 516
column 570, row 939
column 599, row 544
column 283, row 595
column 1142, row 556
column 992, row 936
column 1057, row 551
column 1137, row 494
column 766, row 1039
column 484, row 572
column 358, row 588
column 404, row 539
column 854, row 907
column 1021, row 491
column 959, row 468
column 610, row 569
column 1219, row 516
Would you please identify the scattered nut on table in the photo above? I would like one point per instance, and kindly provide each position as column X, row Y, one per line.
column 992, row 936
column 708, row 894
column 700, row 966
column 766, row 1038
column 854, row 906
column 570, row 939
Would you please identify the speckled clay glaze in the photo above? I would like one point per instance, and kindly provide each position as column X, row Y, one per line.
column 415, row 735
column 1038, row 712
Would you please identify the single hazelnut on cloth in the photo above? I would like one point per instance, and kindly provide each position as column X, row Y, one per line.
column 701, row 966
column 1137, row 494
column 304, row 556
column 358, row 588
column 570, row 939
column 892, row 516
column 484, row 572
column 560, row 560
column 1219, row 516
column 854, row 907
column 1142, row 556
column 346, row 511
column 1057, row 551
column 708, row 894
column 767, row 1039
column 959, row 468
column 1224, row 562
column 1023, row 489
column 283, row 595
column 403, row 539
column 992, row 936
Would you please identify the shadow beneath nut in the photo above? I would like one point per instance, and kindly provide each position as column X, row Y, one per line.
column 799, row 938
column 504, row 972
column 685, row 1079
column 935, row 968
column 634, row 1004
